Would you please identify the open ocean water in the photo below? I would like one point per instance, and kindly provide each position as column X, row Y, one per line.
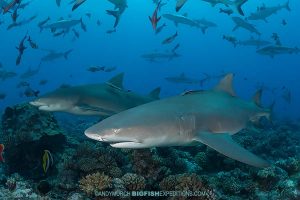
column 149, row 99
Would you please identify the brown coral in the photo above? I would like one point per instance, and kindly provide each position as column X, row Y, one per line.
column 134, row 182
column 169, row 183
column 93, row 183
column 191, row 182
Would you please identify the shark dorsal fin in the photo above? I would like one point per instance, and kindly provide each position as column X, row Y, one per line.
column 117, row 81
column 155, row 93
column 225, row 85
column 257, row 97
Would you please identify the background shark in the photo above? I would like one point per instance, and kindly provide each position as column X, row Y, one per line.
column 209, row 117
column 98, row 99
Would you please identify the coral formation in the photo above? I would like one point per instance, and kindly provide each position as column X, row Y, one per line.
column 134, row 182
column 94, row 183
column 84, row 169
column 26, row 133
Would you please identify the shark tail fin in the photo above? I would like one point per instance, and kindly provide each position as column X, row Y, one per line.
column 77, row 4
column 116, row 14
column 238, row 4
column 117, row 81
column 224, row 144
column 66, row 54
column 180, row 4
column 155, row 93
column 287, row 5
column 257, row 97
column 270, row 111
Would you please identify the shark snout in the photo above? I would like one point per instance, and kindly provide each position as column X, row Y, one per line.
column 36, row 103
column 93, row 135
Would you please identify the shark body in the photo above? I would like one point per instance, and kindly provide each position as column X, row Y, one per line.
column 103, row 99
column 209, row 117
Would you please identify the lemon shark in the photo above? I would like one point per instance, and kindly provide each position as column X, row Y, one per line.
column 103, row 99
column 209, row 117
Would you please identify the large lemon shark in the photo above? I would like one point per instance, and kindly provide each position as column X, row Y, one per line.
column 209, row 117
column 102, row 99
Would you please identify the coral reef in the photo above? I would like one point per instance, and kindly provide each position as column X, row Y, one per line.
column 26, row 133
column 83, row 170
column 134, row 182
column 94, row 183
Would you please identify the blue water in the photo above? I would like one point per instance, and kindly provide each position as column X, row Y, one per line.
column 207, row 53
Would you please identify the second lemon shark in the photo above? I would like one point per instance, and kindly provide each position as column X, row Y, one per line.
column 102, row 99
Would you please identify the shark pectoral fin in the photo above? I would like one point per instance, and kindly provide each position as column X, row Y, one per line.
column 93, row 109
column 223, row 143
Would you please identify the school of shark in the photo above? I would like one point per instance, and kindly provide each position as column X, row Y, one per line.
column 147, row 110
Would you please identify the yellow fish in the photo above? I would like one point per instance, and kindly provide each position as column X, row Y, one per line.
column 47, row 160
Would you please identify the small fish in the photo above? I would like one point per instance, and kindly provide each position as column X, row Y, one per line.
column 21, row 50
column 284, row 23
column 75, row 33
column 160, row 28
column 29, row 92
column 15, row 15
column 42, row 23
column 23, row 84
column 43, row 82
column 65, row 85
column 59, row 33
column 95, row 69
column 89, row 15
column 227, row 11
column 47, row 160
column 111, row 31
column 176, row 47
column 2, row 96
column 1, row 153
column 231, row 39
column 110, row 69
column 83, row 26
column 98, row 23
column 32, row 44
column 170, row 39
column 10, row 5
column 155, row 19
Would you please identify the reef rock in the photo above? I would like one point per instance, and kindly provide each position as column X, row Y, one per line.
column 26, row 133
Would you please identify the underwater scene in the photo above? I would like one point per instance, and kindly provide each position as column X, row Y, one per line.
column 149, row 99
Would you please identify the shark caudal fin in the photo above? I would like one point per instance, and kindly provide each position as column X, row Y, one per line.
column 223, row 143
column 117, row 81
column 287, row 5
column 155, row 93
column 66, row 54
column 116, row 14
column 180, row 4
column 77, row 4
column 257, row 97
column 238, row 4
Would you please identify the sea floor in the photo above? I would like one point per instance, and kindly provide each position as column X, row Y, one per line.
column 85, row 169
